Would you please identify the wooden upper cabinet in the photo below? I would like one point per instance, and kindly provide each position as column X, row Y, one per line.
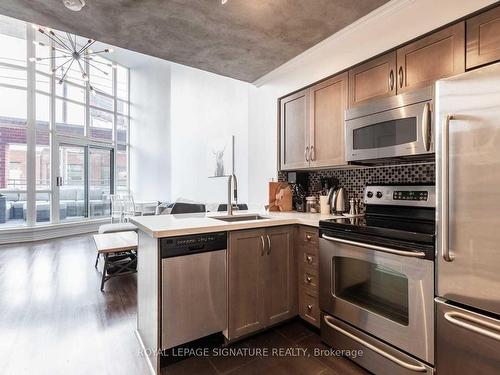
column 328, row 104
column 483, row 38
column 374, row 79
column 245, row 282
column 294, row 130
column 428, row 59
column 280, row 287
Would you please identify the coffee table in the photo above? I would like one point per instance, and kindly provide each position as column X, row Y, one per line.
column 120, row 254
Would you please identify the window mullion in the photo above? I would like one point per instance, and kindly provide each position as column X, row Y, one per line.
column 115, row 124
column 87, row 101
column 31, row 129
column 54, row 144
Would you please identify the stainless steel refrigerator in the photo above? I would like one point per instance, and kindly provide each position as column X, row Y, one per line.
column 468, row 246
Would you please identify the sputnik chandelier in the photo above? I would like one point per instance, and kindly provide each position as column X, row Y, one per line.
column 71, row 53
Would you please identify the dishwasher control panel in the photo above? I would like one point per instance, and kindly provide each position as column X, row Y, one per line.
column 192, row 244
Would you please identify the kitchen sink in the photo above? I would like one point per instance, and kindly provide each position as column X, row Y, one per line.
column 240, row 218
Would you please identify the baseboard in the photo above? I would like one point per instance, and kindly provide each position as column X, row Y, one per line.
column 46, row 232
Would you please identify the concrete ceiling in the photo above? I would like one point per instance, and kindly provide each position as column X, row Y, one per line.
column 243, row 39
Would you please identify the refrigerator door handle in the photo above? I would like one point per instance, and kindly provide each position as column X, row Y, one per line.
column 445, row 194
column 453, row 317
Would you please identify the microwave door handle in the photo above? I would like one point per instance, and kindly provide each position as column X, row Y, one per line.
column 461, row 320
column 383, row 353
column 417, row 254
column 445, row 194
column 426, row 126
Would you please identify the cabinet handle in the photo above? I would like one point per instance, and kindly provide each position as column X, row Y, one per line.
column 309, row 307
column 263, row 245
column 306, row 153
column 400, row 76
column 309, row 259
column 308, row 279
column 312, row 154
column 391, row 80
column 268, row 244
column 308, row 237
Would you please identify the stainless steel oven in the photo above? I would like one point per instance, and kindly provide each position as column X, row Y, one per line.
column 377, row 279
column 394, row 127
column 387, row 295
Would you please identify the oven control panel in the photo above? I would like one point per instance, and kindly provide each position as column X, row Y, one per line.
column 409, row 195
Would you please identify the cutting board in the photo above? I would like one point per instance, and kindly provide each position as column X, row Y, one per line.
column 280, row 196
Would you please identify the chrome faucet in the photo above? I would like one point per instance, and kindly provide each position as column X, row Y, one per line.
column 235, row 193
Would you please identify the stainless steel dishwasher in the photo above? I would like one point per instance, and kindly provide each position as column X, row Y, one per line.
column 193, row 290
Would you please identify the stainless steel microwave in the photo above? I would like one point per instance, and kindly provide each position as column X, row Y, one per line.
column 390, row 128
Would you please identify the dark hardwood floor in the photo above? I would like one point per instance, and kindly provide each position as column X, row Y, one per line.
column 292, row 335
column 55, row 320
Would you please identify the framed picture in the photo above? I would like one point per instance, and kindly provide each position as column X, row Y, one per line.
column 220, row 157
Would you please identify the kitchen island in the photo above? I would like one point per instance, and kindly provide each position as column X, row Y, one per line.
column 149, row 280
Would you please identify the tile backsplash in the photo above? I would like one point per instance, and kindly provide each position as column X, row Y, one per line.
column 355, row 179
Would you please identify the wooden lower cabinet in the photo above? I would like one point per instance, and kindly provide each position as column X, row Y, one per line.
column 280, row 288
column 307, row 246
column 262, row 287
column 246, row 273
column 309, row 306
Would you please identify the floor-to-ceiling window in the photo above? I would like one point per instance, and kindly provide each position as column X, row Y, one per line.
column 63, row 149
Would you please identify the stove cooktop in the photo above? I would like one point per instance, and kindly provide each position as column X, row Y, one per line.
column 390, row 228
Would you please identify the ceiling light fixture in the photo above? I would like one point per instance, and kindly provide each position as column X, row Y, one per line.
column 74, row 5
column 72, row 53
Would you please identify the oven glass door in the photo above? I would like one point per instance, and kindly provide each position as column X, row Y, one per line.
column 398, row 132
column 387, row 295
column 374, row 287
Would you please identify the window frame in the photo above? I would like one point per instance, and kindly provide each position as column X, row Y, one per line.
column 55, row 137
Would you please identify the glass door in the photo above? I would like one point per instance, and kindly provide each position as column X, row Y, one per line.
column 100, row 174
column 72, row 182
column 85, row 181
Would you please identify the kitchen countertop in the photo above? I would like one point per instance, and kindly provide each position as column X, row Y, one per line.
column 183, row 224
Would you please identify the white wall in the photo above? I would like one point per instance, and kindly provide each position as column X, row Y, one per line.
column 383, row 29
column 175, row 111
column 206, row 106
column 150, row 167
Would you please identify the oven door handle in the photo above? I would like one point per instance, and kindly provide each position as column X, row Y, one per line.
column 390, row 357
column 418, row 254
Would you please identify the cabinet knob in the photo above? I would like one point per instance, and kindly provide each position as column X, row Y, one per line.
column 309, row 259
column 309, row 307
column 308, row 279
column 308, row 237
